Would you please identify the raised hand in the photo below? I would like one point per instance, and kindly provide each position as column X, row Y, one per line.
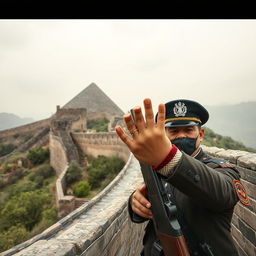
column 148, row 141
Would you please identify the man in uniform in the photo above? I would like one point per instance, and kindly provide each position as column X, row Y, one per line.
column 202, row 188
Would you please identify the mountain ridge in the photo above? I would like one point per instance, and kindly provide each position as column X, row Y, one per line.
column 10, row 120
column 237, row 121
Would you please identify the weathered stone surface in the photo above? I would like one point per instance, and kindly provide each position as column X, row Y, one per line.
column 109, row 144
column 212, row 150
column 231, row 155
column 246, row 215
column 243, row 242
column 102, row 226
column 247, row 231
column 248, row 161
column 247, row 174
column 49, row 248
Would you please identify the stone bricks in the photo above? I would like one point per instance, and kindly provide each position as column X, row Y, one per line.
column 248, row 161
column 105, row 143
column 243, row 242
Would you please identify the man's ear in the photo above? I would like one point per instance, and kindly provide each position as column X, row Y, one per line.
column 201, row 134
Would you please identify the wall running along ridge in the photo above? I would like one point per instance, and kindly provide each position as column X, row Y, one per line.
column 101, row 226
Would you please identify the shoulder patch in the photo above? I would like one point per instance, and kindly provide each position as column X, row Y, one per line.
column 241, row 193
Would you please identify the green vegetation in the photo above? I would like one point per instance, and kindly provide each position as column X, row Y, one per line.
column 5, row 149
column 25, row 209
column 13, row 236
column 14, row 157
column 27, row 204
column 213, row 139
column 86, row 182
column 40, row 175
column 38, row 155
column 100, row 125
column 81, row 189
column 102, row 170
column 74, row 173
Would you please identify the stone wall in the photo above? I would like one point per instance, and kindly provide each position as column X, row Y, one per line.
column 61, row 147
column 58, row 156
column 101, row 226
column 244, row 218
column 62, row 152
column 103, row 143
column 77, row 118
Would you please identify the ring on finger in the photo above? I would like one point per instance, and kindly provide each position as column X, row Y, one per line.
column 133, row 132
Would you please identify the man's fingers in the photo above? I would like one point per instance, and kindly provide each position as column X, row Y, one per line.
column 123, row 136
column 130, row 125
column 139, row 119
column 149, row 112
column 140, row 209
column 140, row 196
column 161, row 116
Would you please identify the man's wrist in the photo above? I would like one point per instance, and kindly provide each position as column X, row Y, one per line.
column 170, row 162
column 167, row 159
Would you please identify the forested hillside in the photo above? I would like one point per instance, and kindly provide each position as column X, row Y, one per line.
column 213, row 139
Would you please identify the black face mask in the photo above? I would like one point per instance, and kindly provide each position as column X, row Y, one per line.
column 187, row 145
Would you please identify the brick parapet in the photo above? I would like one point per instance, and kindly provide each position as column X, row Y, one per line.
column 101, row 143
column 244, row 218
column 101, row 226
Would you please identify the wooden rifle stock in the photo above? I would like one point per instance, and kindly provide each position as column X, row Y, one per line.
column 165, row 222
column 173, row 246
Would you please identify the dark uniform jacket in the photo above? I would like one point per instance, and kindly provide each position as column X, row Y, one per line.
column 203, row 191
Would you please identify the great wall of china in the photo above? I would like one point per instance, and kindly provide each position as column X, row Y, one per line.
column 101, row 225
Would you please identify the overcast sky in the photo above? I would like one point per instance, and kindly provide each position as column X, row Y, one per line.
column 44, row 63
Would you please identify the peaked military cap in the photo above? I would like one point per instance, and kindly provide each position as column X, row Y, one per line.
column 185, row 113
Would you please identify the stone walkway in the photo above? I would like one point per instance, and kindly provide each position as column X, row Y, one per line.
column 74, row 234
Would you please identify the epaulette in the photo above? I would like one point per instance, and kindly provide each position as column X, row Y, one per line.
column 219, row 162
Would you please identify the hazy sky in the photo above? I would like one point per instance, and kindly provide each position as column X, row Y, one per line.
column 44, row 63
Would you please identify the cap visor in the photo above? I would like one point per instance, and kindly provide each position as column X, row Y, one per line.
column 181, row 123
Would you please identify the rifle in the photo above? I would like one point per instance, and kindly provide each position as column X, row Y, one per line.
column 166, row 225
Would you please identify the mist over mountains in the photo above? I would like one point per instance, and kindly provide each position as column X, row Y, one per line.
column 8, row 120
column 236, row 121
